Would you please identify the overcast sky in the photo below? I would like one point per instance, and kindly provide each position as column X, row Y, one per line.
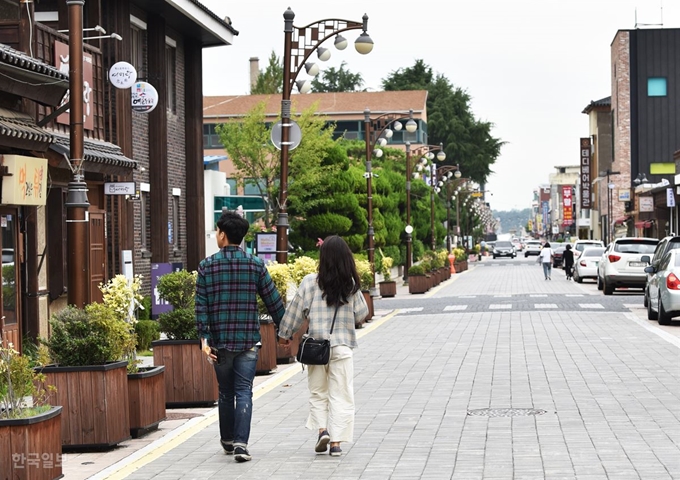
column 530, row 66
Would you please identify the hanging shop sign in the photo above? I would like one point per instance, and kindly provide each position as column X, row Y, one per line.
column 27, row 184
column 119, row 188
column 585, row 173
column 122, row 75
column 61, row 61
column 144, row 97
column 567, row 206
column 670, row 198
column 646, row 204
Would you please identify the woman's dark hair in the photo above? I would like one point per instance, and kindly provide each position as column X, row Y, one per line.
column 338, row 277
column 546, row 245
column 234, row 227
column 568, row 247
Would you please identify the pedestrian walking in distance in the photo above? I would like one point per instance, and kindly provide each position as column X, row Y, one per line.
column 568, row 257
column 332, row 292
column 227, row 319
column 546, row 257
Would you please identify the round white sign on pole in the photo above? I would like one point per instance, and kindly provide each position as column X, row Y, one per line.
column 144, row 97
column 294, row 137
column 122, row 75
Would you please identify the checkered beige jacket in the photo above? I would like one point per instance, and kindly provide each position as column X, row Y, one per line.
column 308, row 303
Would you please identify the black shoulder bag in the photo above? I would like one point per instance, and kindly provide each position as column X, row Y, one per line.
column 314, row 351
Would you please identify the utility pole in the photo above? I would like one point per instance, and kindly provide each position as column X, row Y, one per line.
column 77, row 217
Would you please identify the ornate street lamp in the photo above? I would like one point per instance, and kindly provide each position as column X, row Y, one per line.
column 428, row 157
column 299, row 44
column 377, row 131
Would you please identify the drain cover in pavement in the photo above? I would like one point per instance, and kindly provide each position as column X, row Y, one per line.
column 505, row 412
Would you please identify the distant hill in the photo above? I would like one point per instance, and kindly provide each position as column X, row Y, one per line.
column 512, row 221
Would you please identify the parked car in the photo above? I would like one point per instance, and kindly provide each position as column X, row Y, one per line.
column 622, row 264
column 517, row 244
column 664, row 246
column 503, row 249
column 587, row 263
column 580, row 245
column 558, row 251
column 533, row 247
column 663, row 288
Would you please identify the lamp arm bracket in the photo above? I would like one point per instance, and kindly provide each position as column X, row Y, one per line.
column 309, row 36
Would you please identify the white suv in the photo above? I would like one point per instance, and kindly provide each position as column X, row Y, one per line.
column 532, row 247
column 581, row 245
column 621, row 264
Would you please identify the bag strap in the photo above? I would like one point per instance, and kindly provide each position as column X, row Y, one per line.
column 334, row 315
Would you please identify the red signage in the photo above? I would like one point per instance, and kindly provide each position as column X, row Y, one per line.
column 567, row 205
column 61, row 61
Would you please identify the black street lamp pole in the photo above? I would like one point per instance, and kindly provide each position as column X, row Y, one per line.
column 374, row 129
column 610, row 207
column 299, row 43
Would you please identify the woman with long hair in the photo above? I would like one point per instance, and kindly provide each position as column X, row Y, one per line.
column 333, row 292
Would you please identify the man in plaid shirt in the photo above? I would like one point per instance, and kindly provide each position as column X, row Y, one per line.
column 228, row 325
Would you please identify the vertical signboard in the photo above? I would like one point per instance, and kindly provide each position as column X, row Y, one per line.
column 567, row 206
column 61, row 61
column 545, row 208
column 586, row 195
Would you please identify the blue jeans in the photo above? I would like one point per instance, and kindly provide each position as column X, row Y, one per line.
column 235, row 372
column 547, row 268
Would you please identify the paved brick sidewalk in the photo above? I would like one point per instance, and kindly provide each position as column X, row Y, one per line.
column 610, row 389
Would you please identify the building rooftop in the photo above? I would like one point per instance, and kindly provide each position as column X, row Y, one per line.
column 603, row 102
column 345, row 103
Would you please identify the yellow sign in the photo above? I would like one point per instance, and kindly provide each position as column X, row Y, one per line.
column 477, row 194
column 27, row 184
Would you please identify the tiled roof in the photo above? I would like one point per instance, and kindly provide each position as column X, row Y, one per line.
column 214, row 16
column 21, row 126
column 99, row 152
column 603, row 102
column 345, row 103
column 21, row 60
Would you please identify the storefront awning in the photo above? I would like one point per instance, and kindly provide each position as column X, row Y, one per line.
column 99, row 157
column 643, row 224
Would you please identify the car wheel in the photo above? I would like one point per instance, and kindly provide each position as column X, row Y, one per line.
column 664, row 317
column 526, row 255
column 577, row 278
column 599, row 283
column 645, row 301
column 494, row 257
column 651, row 314
column 607, row 289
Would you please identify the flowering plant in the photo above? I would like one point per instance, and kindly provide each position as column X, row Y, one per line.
column 280, row 273
column 122, row 296
column 19, row 381
column 301, row 267
column 386, row 268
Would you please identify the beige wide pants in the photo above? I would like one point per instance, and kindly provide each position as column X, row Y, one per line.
column 331, row 399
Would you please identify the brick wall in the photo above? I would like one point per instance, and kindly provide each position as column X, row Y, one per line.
column 621, row 118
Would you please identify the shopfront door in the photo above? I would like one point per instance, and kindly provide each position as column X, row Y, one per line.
column 10, row 304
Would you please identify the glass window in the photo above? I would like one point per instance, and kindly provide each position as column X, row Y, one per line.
column 145, row 220
column 173, row 237
column 232, row 186
column 170, row 77
column 250, row 186
column 593, row 252
column 635, row 246
column 137, row 50
column 656, row 87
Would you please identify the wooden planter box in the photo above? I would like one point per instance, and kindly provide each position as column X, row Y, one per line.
column 266, row 359
column 418, row 284
column 95, row 400
column 146, row 393
column 24, row 439
column 369, row 302
column 189, row 378
column 388, row 289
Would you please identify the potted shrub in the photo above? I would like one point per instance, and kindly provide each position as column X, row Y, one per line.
column 366, row 279
column 269, row 352
column 388, row 287
column 30, row 428
column 89, row 348
column 417, row 281
column 189, row 378
column 146, row 386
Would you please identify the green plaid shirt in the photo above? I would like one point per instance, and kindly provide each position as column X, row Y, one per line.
column 226, row 299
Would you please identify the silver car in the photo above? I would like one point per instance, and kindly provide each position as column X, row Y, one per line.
column 586, row 265
column 664, row 288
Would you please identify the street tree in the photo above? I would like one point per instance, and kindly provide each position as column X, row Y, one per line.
column 270, row 80
column 340, row 80
column 467, row 140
